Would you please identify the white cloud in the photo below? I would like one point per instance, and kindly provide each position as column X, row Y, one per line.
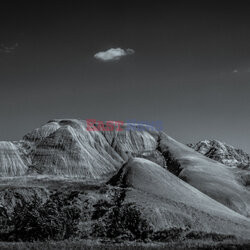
column 113, row 54
column 8, row 49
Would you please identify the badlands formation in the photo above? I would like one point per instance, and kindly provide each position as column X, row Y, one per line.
column 133, row 184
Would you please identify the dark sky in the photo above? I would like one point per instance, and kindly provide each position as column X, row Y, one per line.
column 190, row 70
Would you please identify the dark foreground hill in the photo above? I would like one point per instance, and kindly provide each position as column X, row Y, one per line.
column 65, row 182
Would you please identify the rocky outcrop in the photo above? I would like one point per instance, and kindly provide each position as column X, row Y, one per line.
column 223, row 153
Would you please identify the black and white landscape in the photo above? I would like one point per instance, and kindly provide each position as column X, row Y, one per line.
column 124, row 124
column 62, row 181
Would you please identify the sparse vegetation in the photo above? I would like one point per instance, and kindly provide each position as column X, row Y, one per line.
column 115, row 225
column 172, row 164
column 125, row 222
column 56, row 219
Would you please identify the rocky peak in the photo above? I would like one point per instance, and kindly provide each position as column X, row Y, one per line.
column 223, row 153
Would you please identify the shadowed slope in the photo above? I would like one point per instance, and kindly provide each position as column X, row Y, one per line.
column 167, row 202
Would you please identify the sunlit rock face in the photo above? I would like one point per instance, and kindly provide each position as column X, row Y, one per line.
column 68, row 148
column 223, row 153
column 71, row 150
column 11, row 162
column 39, row 133
column 131, row 139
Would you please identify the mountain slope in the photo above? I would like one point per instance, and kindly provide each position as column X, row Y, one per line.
column 66, row 148
column 169, row 202
column 72, row 150
column 11, row 162
column 218, row 181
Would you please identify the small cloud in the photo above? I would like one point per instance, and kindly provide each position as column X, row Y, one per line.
column 235, row 71
column 8, row 49
column 113, row 54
